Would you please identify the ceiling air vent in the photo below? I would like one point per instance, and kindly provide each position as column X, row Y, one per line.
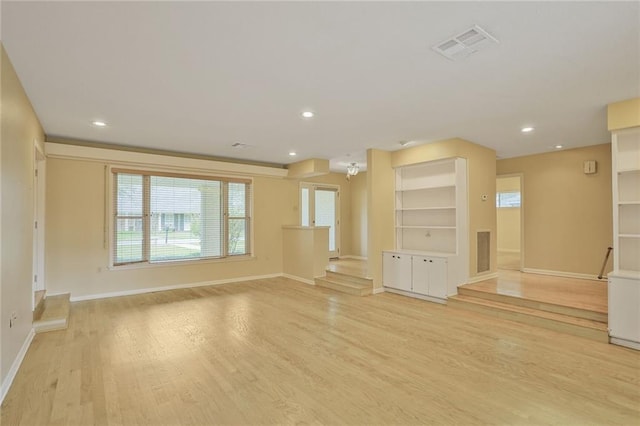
column 465, row 43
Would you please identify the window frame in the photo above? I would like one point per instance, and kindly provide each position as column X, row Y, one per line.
column 498, row 206
column 146, row 173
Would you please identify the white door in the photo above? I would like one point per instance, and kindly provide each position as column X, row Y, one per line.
column 420, row 275
column 438, row 277
column 396, row 271
column 320, row 206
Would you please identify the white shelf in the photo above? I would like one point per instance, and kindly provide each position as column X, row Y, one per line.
column 629, row 170
column 629, row 203
column 422, row 188
column 431, row 209
column 629, row 235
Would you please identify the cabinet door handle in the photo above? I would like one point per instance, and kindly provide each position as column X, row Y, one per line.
column 431, row 261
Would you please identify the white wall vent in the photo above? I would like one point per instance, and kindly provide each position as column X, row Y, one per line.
column 465, row 43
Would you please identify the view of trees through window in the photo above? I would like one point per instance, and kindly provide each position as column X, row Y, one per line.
column 163, row 218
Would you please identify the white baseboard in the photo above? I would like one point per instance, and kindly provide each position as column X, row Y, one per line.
column 481, row 277
column 626, row 343
column 297, row 278
column 415, row 295
column 378, row 290
column 562, row 274
column 6, row 384
column 350, row 256
column 169, row 287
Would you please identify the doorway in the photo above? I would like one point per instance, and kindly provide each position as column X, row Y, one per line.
column 509, row 214
column 320, row 206
column 38, row 225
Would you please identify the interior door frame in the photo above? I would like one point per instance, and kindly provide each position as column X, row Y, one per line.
column 522, row 201
column 39, row 173
column 312, row 200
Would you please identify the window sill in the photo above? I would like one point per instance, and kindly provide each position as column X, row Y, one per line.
column 178, row 263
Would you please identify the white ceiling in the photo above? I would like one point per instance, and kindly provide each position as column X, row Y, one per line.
column 198, row 76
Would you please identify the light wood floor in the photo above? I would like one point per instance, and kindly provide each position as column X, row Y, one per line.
column 354, row 267
column 280, row 352
column 572, row 292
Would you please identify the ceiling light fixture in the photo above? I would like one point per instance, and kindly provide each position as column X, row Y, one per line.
column 526, row 129
column 558, row 146
column 307, row 114
column 292, row 153
column 99, row 123
column 405, row 143
column 353, row 169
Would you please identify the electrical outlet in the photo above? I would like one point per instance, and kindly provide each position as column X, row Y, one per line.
column 12, row 319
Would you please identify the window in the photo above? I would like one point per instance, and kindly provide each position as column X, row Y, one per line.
column 508, row 199
column 162, row 217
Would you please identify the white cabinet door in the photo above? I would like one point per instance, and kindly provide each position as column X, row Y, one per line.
column 396, row 271
column 420, row 275
column 624, row 308
column 438, row 277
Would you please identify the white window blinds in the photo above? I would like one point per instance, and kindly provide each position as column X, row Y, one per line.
column 163, row 217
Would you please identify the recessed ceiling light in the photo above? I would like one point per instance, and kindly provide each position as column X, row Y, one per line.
column 99, row 123
column 307, row 114
column 292, row 153
column 526, row 129
column 558, row 146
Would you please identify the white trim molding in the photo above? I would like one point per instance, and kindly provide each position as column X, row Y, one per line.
column 415, row 295
column 624, row 342
column 6, row 384
column 562, row 274
column 481, row 277
column 297, row 278
column 350, row 256
column 169, row 287
column 378, row 290
column 140, row 159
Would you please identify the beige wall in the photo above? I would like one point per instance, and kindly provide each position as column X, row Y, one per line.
column 78, row 260
column 20, row 127
column 338, row 179
column 306, row 251
column 380, row 211
column 481, row 172
column 508, row 217
column 358, row 185
column 509, row 229
column 624, row 114
column 567, row 214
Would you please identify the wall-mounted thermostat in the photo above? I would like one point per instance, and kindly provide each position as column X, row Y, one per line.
column 590, row 167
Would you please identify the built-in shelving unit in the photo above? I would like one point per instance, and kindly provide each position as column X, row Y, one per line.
column 430, row 220
column 624, row 280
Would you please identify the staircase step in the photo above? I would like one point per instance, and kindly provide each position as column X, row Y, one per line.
column 39, row 304
column 55, row 315
column 342, row 277
column 534, row 304
column 345, row 286
column 594, row 330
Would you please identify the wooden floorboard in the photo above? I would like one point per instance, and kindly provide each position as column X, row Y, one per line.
column 275, row 351
column 577, row 293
